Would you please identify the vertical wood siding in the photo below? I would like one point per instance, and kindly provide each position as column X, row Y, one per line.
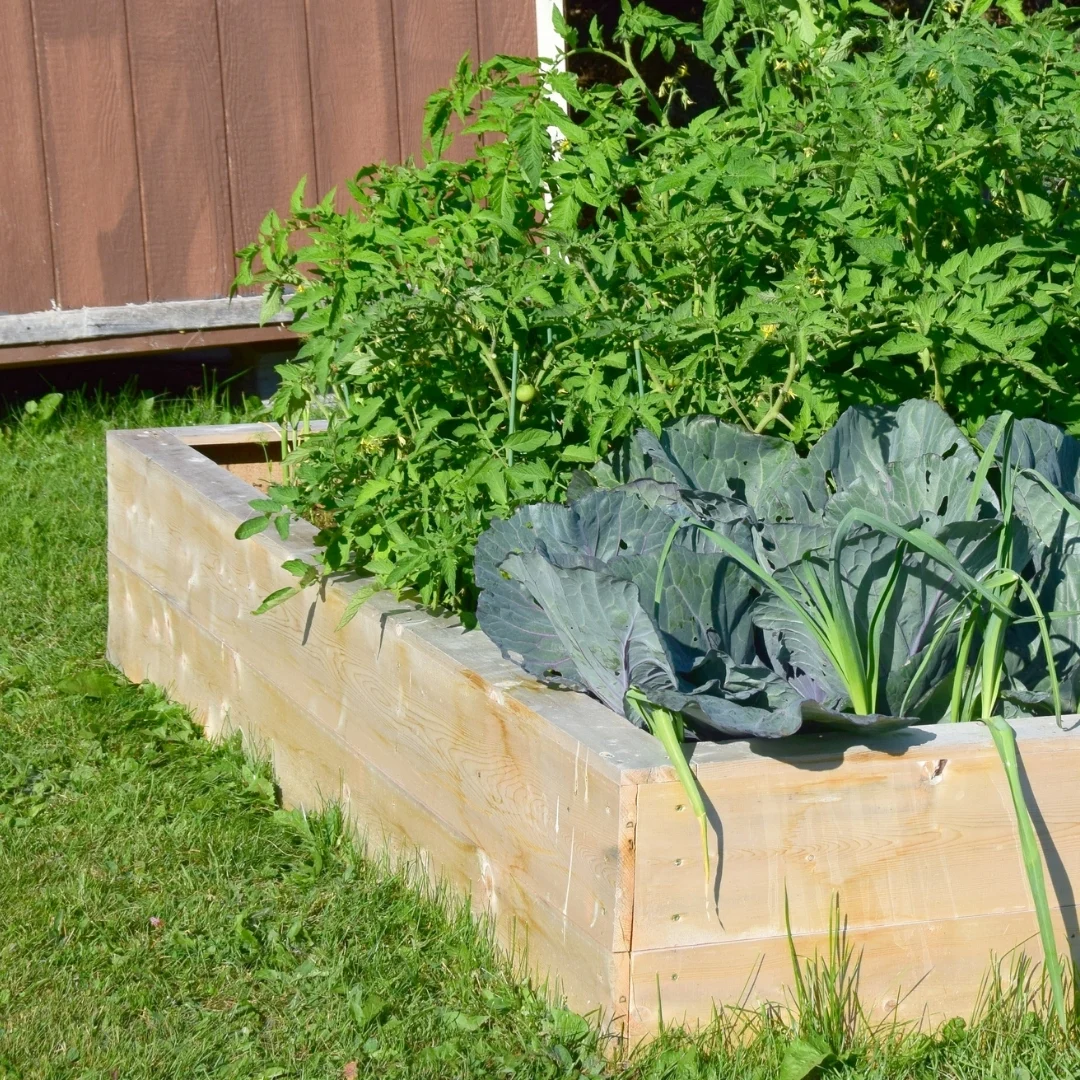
column 180, row 136
column 361, row 125
column 429, row 39
column 91, row 165
column 144, row 140
column 26, row 261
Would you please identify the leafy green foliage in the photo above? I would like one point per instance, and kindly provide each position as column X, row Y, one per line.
column 883, row 210
column 892, row 529
column 926, row 606
column 1041, row 514
column 823, row 588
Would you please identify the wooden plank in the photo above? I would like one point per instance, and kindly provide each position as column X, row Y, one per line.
column 180, row 133
column 260, row 472
column 90, row 154
column 413, row 693
column 274, row 336
column 264, row 60
column 353, row 89
column 922, row 835
column 429, row 40
column 150, row 638
column 41, row 327
column 921, row 971
column 507, row 27
column 415, row 721
column 915, row 834
column 619, row 749
column 216, row 440
column 26, row 271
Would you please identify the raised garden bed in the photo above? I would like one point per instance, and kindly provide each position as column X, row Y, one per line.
column 562, row 820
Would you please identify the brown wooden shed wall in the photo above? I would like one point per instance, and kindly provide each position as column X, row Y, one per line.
column 144, row 140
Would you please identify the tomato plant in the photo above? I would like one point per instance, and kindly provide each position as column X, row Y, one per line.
column 883, row 209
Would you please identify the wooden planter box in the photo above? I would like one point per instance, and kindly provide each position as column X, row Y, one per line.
column 562, row 820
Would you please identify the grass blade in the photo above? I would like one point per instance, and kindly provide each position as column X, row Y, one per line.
column 992, row 654
column 665, row 551
column 1047, row 645
column 843, row 642
column 873, row 636
column 958, row 706
column 802, row 999
column 1005, row 742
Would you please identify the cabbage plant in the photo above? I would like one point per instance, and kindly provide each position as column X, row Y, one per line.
column 707, row 582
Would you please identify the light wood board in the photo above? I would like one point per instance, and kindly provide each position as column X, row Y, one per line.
column 923, row 973
column 164, row 316
column 151, row 639
column 585, row 832
column 547, row 809
column 915, row 837
column 270, row 338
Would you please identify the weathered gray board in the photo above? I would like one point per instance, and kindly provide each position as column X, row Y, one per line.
column 165, row 316
column 563, row 821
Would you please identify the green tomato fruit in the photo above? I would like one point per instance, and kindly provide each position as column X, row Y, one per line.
column 526, row 392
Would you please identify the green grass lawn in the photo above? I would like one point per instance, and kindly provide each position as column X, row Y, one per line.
column 160, row 916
